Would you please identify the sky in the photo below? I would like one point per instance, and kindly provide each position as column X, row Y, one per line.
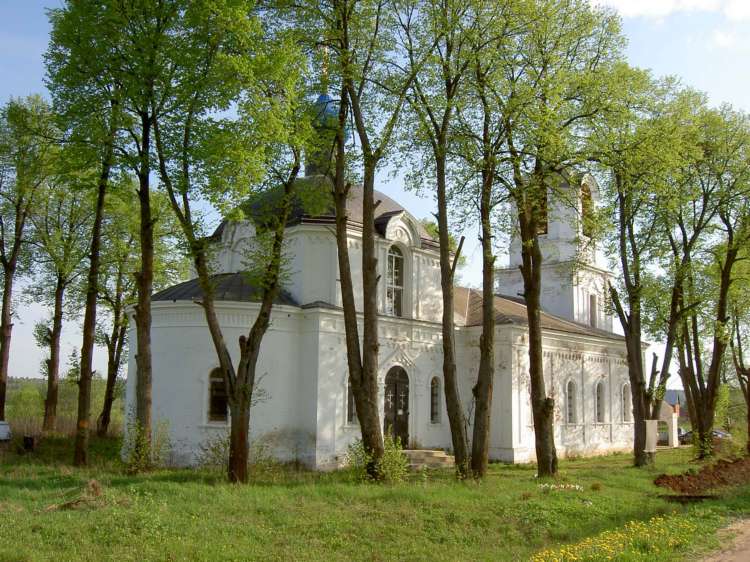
column 706, row 43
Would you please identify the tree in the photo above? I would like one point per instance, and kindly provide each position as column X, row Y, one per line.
column 434, row 97
column 27, row 148
column 368, row 41
column 708, row 227
column 88, row 94
column 738, row 345
column 60, row 224
column 562, row 79
column 640, row 142
column 224, row 160
column 117, row 289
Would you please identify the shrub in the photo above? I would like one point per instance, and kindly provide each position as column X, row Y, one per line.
column 214, row 456
column 138, row 454
column 214, row 452
column 392, row 468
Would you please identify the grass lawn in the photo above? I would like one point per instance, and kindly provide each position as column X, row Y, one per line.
column 49, row 511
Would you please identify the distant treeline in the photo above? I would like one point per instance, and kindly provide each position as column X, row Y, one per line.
column 25, row 405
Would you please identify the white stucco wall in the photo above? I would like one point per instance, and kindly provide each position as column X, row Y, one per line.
column 183, row 357
column 586, row 361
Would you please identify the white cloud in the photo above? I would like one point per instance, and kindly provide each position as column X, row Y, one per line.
column 737, row 10
column 733, row 10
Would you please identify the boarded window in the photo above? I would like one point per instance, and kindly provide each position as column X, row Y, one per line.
column 435, row 400
column 570, row 402
column 395, row 282
column 218, row 410
column 600, row 402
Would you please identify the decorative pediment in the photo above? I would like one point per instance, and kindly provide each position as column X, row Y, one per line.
column 402, row 228
column 399, row 356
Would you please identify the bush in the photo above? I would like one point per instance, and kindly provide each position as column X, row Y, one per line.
column 214, row 457
column 392, row 468
column 138, row 454
column 214, row 452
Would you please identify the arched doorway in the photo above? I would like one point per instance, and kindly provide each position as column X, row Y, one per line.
column 396, row 410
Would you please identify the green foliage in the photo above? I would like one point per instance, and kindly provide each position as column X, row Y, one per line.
column 392, row 467
column 721, row 409
column 140, row 454
column 26, row 403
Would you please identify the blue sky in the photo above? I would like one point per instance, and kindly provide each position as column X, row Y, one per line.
column 704, row 42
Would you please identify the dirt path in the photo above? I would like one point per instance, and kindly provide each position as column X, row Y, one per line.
column 737, row 549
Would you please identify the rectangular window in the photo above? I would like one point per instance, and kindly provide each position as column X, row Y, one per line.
column 435, row 400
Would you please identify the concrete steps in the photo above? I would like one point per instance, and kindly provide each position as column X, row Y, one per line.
column 428, row 458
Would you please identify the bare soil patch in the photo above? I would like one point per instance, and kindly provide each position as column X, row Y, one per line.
column 736, row 540
column 721, row 473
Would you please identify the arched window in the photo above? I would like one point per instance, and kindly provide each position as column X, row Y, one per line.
column 435, row 400
column 218, row 410
column 351, row 405
column 600, row 402
column 394, row 285
column 627, row 404
column 570, row 403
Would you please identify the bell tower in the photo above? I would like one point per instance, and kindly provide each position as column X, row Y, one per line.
column 574, row 276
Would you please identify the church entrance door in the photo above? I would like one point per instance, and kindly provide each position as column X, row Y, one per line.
column 396, row 414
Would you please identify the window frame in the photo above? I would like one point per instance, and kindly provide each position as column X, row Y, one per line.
column 215, row 377
column 435, row 395
column 571, row 403
column 395, row 281
column 600, row 411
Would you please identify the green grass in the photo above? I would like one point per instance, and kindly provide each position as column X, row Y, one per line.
column 288, row 515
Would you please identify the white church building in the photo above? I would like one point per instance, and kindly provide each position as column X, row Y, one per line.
column 306, row 413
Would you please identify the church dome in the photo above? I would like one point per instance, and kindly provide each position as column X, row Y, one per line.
column 310, row 208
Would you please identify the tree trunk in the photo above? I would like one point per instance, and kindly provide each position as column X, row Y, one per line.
column 542, row 406
column 6, row 327
column 365, row 400
column 239, row 443
column 370, row 418
column 80, row 455
column 453, row 404
column 631, row 321
column 114, row 358
column 483, row 388
column 53, row 366
column 144, row 279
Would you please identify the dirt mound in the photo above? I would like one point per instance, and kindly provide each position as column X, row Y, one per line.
column 721, row 473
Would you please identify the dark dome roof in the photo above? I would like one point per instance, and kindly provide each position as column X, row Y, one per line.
column 323, row 212
column 227, row 287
